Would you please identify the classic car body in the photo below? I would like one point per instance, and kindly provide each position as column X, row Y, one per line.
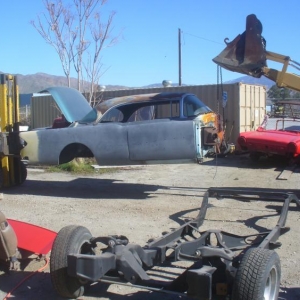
column 283, row 140
column 151, row 128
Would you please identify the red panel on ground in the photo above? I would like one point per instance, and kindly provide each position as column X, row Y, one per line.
column 33, row 238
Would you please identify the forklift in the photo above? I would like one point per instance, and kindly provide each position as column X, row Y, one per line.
column 13, row 170
column 18, row 240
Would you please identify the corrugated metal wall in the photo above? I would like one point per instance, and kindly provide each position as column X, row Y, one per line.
column 244, row 110
column 43, row 111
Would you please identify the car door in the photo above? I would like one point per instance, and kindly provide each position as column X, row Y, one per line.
column 156, row 133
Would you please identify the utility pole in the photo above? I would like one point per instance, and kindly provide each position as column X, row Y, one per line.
column 179, row 56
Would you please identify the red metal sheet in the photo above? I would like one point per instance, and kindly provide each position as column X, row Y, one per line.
column 33, row 238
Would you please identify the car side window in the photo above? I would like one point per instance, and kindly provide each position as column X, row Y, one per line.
column 164, row 110
column 168, row 110
column 143, row 114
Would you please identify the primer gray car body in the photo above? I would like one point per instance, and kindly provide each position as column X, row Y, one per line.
column 140, row 129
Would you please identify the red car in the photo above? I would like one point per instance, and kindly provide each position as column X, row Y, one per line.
column 282, row 138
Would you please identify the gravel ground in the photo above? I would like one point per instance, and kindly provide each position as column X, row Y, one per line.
column 143, row 201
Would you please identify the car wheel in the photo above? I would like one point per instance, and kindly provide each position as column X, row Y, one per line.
column 70, row 239
column 258, row 276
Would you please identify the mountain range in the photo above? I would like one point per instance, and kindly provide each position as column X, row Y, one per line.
column 252, row 80
column 35, row 83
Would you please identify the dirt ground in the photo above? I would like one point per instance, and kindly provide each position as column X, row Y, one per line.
column 143, row 201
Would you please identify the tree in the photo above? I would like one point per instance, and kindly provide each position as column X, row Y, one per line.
column 296, row 95
column 279, row 93
column 92, row 65
column 282, row 93
column 55, row 29
column 72, row 30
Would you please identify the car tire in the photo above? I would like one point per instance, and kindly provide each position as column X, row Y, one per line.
column 70, row 239
column 258, row 276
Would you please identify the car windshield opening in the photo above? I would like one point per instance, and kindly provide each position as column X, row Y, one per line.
column 192, row 106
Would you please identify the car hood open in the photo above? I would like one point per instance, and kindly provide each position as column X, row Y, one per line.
column 72, row 104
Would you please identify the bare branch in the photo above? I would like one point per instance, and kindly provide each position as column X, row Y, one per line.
column 78, row 36
column 52, row 27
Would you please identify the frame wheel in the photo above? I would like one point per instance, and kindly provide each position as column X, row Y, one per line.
column 258, row 276
column 70, row 239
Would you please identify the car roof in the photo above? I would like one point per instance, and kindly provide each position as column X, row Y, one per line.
column 157, row 97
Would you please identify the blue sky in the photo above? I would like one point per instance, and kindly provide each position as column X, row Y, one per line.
column 148, row 50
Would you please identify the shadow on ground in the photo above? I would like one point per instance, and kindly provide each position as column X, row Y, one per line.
column 244, row 161
column 86, row 188
column 39, row 286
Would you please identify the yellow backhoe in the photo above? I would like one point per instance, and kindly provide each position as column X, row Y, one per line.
column 247, row 54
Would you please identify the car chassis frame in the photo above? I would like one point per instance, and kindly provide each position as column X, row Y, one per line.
column 213, row 269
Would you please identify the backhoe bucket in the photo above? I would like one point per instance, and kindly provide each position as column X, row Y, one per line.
column 246, row 53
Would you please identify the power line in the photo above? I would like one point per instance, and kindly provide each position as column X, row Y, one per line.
column 202, row 38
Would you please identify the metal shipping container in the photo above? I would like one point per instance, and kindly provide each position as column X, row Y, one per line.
column 244, row 110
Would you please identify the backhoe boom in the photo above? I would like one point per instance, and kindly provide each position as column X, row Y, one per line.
column 247, row 54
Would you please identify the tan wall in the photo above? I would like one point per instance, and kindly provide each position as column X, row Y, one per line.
column 244, row 111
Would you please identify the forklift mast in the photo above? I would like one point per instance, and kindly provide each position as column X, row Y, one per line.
column 12, row 171
column 9, row 96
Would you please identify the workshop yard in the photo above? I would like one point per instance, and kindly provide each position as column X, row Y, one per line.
column 141, row 202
